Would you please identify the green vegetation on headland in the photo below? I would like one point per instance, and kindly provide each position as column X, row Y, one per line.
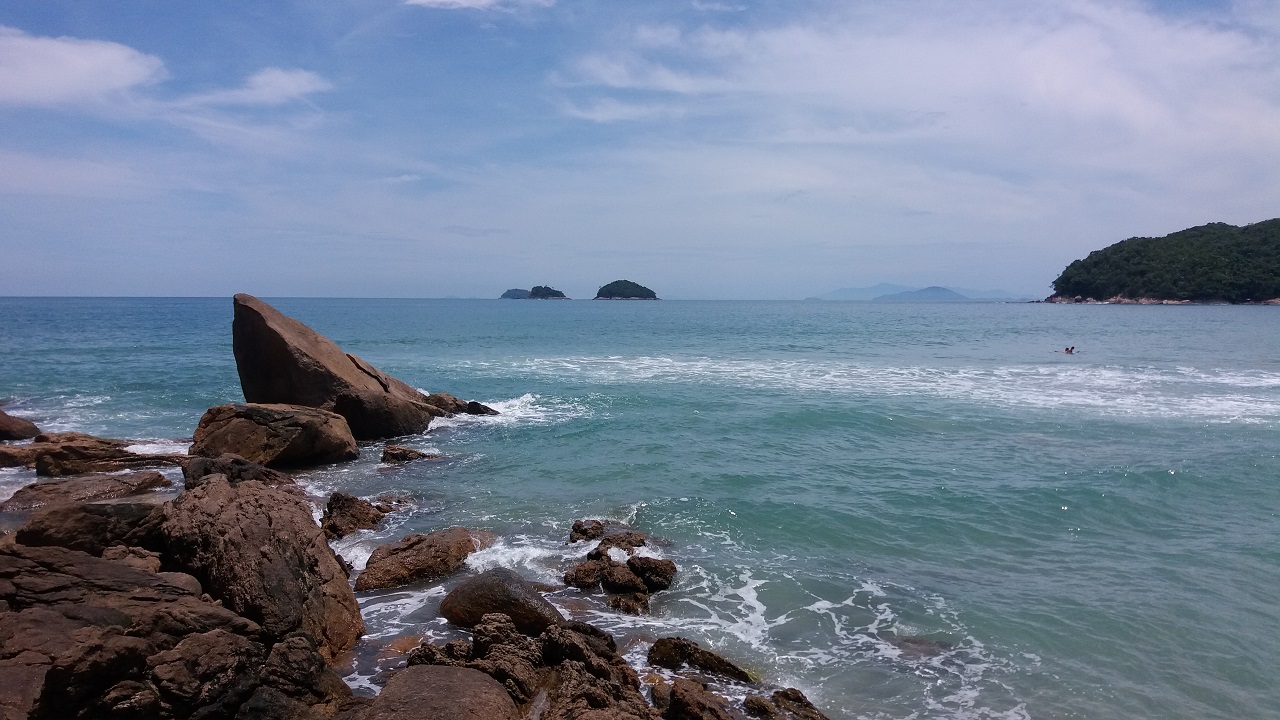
column 1210, row 263
column 625, row 290
column 539, row 292
column 515, row 294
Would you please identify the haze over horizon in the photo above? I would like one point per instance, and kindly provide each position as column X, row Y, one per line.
column 705, row 149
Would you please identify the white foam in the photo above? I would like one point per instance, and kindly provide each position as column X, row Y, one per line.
column 528, row 409
column 540, row 558
column 159, row 447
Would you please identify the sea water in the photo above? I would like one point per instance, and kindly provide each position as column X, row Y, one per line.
column 1091, row 535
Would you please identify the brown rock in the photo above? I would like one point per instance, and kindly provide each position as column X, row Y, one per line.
column 421, row 557
column 258, row 550
column 499, row 591
column 235, row 468
column 401, row 454
column 88, row 527
column 55, row 454
column 437, row 692
column 618, row 578
column 626, row 541
column 918, row 646
column 449, row 405
column 133, row 557
column 586, row 574
column 690, row 700
column 673, row 653
column 789, row 704
column 275, row 435
column 630, row 603
column 586, row 530
column 83, row 489
column 16, row 428
column 656, row 574
column 344, row 514
column 281, row 360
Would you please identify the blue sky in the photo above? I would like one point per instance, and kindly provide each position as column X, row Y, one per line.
column 705, row 148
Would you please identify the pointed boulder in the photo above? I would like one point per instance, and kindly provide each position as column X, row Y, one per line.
column 281, row 360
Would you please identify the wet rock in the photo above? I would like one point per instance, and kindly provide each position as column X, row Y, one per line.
column 59, row 454
column 83, row 489
column 690, row 700
column 618, row 578
column 401, row 454
column 442, row 693
column 275, row 435
column 636, row 603
column 345, row 514
column 87, row 527
column 235, row 468
column 674, row 653
column 475, row 408
column 626, row 541
column 16, row 428
column 449, row 405
column 421, row 557
column 281, row 360
column 586, row 530
column 586, row 575
column 257, row 549
column 654, row 573
column 918, row 646
column 499, row 591
column 789, row 704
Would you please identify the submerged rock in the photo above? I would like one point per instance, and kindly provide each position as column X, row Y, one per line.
column 500, row 591
column 16, row 428
column 674, row 653
column 275, row 435
column 401, row 454
column 83, row 489
column 281, row 360
column 417, row 558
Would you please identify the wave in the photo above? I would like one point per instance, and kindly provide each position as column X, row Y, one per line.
column 1214, row 395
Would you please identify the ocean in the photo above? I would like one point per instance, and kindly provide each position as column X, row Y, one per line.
column 1082, row 536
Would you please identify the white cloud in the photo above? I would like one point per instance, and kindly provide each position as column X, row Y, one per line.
column 480, row 4
column 607, row 110
column 269, row 87
column 49, row 71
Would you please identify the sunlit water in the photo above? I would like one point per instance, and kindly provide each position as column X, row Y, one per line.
column 1090, row 535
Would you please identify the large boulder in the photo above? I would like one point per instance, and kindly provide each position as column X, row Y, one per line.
column 235, row 468
column 499, row 591
column 87, row 527
column 440, row 692
column 83, row 489
column 16, row 428
column 345, row 514
column 56, row 454
column 281, row 360
column 275, row 435
column 258, row 550
column 421, row 557
column 83, row 637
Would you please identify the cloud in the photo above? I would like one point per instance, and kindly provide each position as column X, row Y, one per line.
column 268, row 87
column 608, row 110
column 480, row 4
column 52, row 71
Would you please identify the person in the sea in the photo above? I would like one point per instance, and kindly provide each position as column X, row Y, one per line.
column 1069, row 350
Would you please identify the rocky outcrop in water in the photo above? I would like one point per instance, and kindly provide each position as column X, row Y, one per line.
column 275, row 435
column 629, row 583
column 420, row 558
column 452, row 405
column 674, row 653
column 281, row 360
column 401, row 454
column 83, row 489
column 16, row 428
column 345, row 514
column 500, row 591
column 60, row 454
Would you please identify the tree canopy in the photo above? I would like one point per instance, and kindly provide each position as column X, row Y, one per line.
column 1215, row 262
column 625, row 289
column 543, row 292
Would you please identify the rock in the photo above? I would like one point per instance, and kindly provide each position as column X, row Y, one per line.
column 655, row 573
column 83, row 489
column 586, row 530
column 690, row 700
column 257, row 549
column 133, row 557
column 89, row 638
column 275, row 435
column 626, row 541
column 345, row 514
column 630, row 603
column 235, row 468
column 436, row 692
column 918, row 646
column 56, row 454
column 673, row 653
column 618, row 578
column 476, row 408
column 421, row 557
column 451, row 405
column 586, row 574
column 400, row 454
column 281, row 360
column 499, row 591
column 16, row 428
column 87, row 527
column 789, row 704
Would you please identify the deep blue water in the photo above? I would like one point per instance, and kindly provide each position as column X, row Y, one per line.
column 1094, row 535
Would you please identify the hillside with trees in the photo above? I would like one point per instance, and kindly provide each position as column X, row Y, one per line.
column 1210, row 263
column 625, row 290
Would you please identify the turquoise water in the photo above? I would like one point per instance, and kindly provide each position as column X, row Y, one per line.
column 1093, row 536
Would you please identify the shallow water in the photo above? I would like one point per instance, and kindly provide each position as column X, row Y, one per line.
column 1092, row 536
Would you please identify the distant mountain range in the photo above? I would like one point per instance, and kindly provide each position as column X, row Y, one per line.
column 890, row 293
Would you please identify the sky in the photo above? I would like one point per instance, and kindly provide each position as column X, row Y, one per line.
column 708, row 149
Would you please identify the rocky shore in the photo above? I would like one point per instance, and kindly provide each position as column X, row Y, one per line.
column 124, row 596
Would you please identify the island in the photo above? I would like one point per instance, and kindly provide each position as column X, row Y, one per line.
column 539, row 292
column 932, row 294
column 515, row 294
column 1214, row 263
column 625, row 290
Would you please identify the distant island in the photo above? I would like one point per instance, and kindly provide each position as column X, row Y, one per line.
column 889, row 293
column 539, row 292
column 625, row 290
column 1210, row 263
column 932, row 294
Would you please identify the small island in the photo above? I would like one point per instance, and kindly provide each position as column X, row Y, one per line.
column 625, row 290
column 539, row 292
column 1214, row 263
